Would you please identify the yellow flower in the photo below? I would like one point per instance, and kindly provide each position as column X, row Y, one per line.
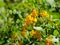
column 50, row 36
column 49, row 42
column 23, row 33
column 20, row 43
column 34, row 13
column 37, row 35
column 44, row 14
column 29, row 19
column 14, row 37
column 35, row 19
column 32, row 18
column 25, row 27
column 34, row 24
column 12, row 44
column 32, row 32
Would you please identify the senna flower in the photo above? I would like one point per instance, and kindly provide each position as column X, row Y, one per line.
column 23, row 33
column 50, row 36
column 35, row 19
column 48, row 40
column 32, row 32
column 20, row 43
column 44, row 14
column 29, row 19
column 34, row 13
column 37, row 35
column 32, row 18
column 12, row 44
column 25, row 27
column 14, row 37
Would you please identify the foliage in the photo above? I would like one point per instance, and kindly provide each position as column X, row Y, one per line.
column 29, row 22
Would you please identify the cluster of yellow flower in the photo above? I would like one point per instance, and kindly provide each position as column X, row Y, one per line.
column 20, row 43
column 14, row 37
column 36, row 34
column 44, row 14
column 48, row 40
column 30, row 19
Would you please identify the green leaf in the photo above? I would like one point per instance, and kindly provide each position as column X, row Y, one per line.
column 40, row 43
column 51, row 2
column 2, row 4
column 57, row 44
column 55, row 33
column 38, row 28
column 1, row 42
